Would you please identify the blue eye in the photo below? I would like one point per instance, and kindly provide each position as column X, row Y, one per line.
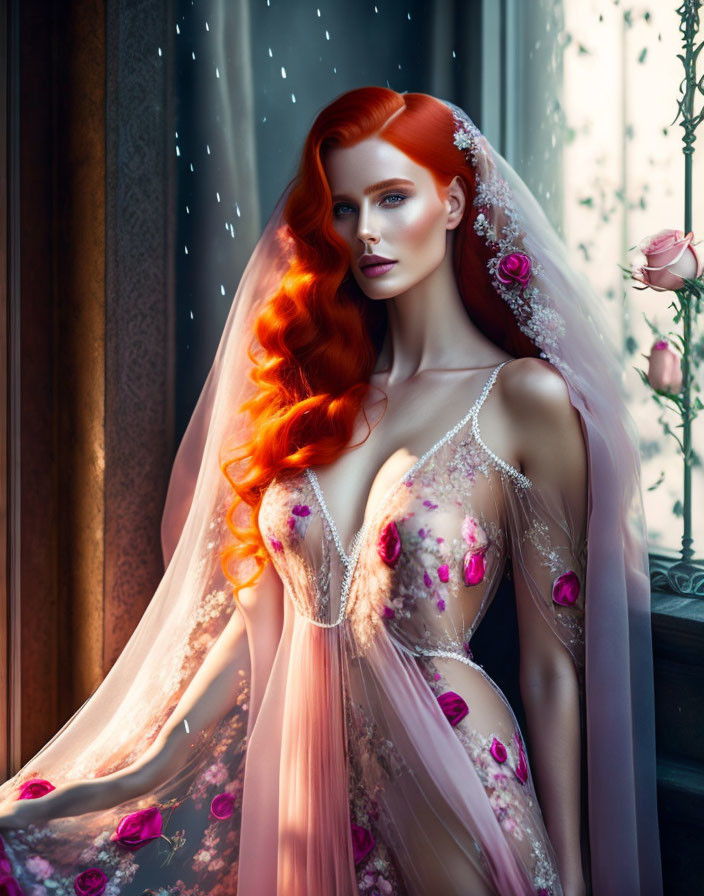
column 343, row 208
column 399, row 196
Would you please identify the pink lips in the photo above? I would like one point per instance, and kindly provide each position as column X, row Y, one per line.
column 375, row 265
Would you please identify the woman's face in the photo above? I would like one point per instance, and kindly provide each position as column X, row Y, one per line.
column 386, row 205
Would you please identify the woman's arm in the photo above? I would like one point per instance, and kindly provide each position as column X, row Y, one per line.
column 553, row 456
column 208, row 698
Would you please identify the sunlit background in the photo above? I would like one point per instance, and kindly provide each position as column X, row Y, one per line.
column 578, row 95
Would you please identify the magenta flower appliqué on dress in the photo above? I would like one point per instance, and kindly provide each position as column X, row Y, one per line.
column 91, row 882
column 389, row 544
column 474, row 567
column 521, row 768
column 565, row 589
column 32, row 790
column 363, row 843
column 139, row 828
column 454, row 706
column 444, row 573
column 498, row 750
column 301, row 510
column 222, row 806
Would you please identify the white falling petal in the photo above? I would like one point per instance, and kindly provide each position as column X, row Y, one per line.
column 188, row 211
column 264, row 119
column 193, row 54
column 409, row 17
column 185, row 722
column 178, row 151
column 191, row 313
column 207, row 27
column 334, row 69
column 186, row 248
column 318, row 11
column 376, row 9
column 159, row 50
column 283, row 72
column 237, row 209
column 207, row 147
column 217, row 72
column 222, row 290
column 270, row 53
column 218, row 196
column 232, row 231
column 454, row 55
column 178, row 30
column 327, row 35
column 192, row 168
column 293, row 97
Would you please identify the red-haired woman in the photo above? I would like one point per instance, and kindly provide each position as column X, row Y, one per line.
column 412, row 400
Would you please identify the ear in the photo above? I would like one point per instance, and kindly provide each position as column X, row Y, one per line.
column 456, row 202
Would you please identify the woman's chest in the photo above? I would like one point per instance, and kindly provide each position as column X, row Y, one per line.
column 425, row 559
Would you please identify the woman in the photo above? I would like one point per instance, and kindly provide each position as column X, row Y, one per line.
column 425, row 411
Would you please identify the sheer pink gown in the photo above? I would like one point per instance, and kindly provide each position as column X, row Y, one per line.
column 400, row 766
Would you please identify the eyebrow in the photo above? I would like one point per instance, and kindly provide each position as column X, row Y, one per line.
column 381, row 185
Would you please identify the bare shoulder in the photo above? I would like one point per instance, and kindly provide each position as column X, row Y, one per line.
column 545, row 426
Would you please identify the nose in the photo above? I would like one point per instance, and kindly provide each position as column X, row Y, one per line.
column 366, row 231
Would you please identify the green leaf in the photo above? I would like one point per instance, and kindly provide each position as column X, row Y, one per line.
column 677, row 508
column 643, row 53
column 589, row 202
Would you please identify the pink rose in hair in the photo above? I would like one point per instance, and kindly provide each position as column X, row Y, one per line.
column 664, row 368
column 389, row 544
column 514, row 268
column 669, row 256
column 139, row 828
column 32, row 790
column 91, row 882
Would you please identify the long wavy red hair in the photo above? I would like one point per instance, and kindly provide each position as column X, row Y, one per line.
column 318, row 335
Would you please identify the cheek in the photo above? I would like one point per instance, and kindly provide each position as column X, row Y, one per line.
column 421, row 231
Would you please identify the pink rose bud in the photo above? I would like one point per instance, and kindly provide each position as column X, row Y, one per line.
column 565, row 589
column 389, row 544
column 670, row 256
column 139, row 828
column 664, row 368
column 363, row 843
column 91, row 882
column 32, row 790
